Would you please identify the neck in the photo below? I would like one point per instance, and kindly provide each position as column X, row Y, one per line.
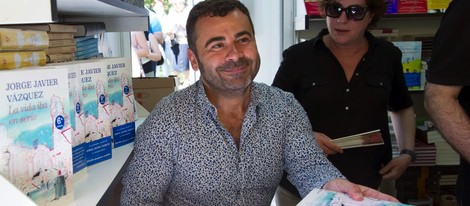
column 352, row 48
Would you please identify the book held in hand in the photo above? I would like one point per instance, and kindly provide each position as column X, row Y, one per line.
column 365, row 139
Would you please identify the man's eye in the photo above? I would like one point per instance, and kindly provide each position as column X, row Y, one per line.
column 244, row 40
column 217, row 46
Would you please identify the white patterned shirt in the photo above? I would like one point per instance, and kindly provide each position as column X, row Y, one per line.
column 184, row 156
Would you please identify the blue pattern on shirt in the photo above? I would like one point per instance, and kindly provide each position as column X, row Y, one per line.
column 184, row 156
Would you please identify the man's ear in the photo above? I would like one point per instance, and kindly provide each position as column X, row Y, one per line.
column 193, row 60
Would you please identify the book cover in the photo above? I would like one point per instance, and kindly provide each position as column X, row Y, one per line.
column 17, row 39
column 320, row 197
column 411, row 60
column 90, row 29
column 365, row 139
column 35, row 134
column 312, row 7
column 412, row 7
column 61, row 42
column 20, row 59
column 392, row 7
column 437, row 6
column 121, row 100
column 94, row 82
column 61, row 50
column 45, row 27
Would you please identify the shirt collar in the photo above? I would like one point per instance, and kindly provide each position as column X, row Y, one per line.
column 203, row 102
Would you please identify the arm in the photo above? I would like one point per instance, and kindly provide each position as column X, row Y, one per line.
column 404, row 126
column 149, row 173
column 441, row 103
column 139, row 44
column 154, row 54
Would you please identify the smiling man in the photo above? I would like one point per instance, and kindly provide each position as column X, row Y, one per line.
column 226, row 140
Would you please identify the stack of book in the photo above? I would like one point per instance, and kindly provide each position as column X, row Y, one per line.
column 87, row 47
column 19, row 48
column 445, row 154
column 61, row 45
column 425, row 154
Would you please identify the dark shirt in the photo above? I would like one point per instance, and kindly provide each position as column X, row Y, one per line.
column 450, row 66
column 340, row 108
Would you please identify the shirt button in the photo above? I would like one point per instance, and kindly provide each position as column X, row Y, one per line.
column 347, row 90
column 381, row 83
column 357, row 74
column 313, row 84
column 346, row 108
column 363, row 59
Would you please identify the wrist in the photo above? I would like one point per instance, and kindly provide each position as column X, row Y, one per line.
column 411, row 153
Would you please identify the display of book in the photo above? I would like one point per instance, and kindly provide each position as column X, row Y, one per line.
column 320, row 197
column 35, row 134
column 365, row 139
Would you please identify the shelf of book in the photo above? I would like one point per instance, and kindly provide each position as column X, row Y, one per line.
column 117, row 15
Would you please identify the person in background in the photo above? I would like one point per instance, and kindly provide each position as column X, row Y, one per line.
column 348, row 82
column 154, row 37
column 447, row 91
column 139, row 49
column 178, row 42
column 240, row 136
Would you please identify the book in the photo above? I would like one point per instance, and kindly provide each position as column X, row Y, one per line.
column 333, row 198
column 412, row 7
column 121, row 100
column 86, row 42
column 94, row 84
column 17, row 39
column 44, row 27
column 61, row 42
column 312, row 7
column 87, row 55
column 56, row 58
column 35, row 135
column 89, row 29
column 87, row 47
column 61, row 50
column 411, row 61
column 437, row 6
column 365, row 139
column 80, row 39
column 59, row 35
column 20, row 59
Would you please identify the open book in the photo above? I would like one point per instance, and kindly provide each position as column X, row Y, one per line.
column 360, row 140
column 319, row 197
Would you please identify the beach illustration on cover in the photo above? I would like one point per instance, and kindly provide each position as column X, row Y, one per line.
column 96, row 110
column 121, row 101
column 35, row 136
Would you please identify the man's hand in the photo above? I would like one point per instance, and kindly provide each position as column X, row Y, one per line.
column 395, row 168
column 355, row 191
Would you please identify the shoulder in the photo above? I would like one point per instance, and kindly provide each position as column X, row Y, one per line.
column 273, row 96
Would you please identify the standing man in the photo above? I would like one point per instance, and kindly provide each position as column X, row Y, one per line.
column 236, row 136
column 447, row 92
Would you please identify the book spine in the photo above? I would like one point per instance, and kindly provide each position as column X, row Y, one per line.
column 16, row 39
column 19, row 59
column 61, row 50
column 56, row 58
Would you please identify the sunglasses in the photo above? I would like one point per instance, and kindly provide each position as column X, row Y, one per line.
column 354, row 12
